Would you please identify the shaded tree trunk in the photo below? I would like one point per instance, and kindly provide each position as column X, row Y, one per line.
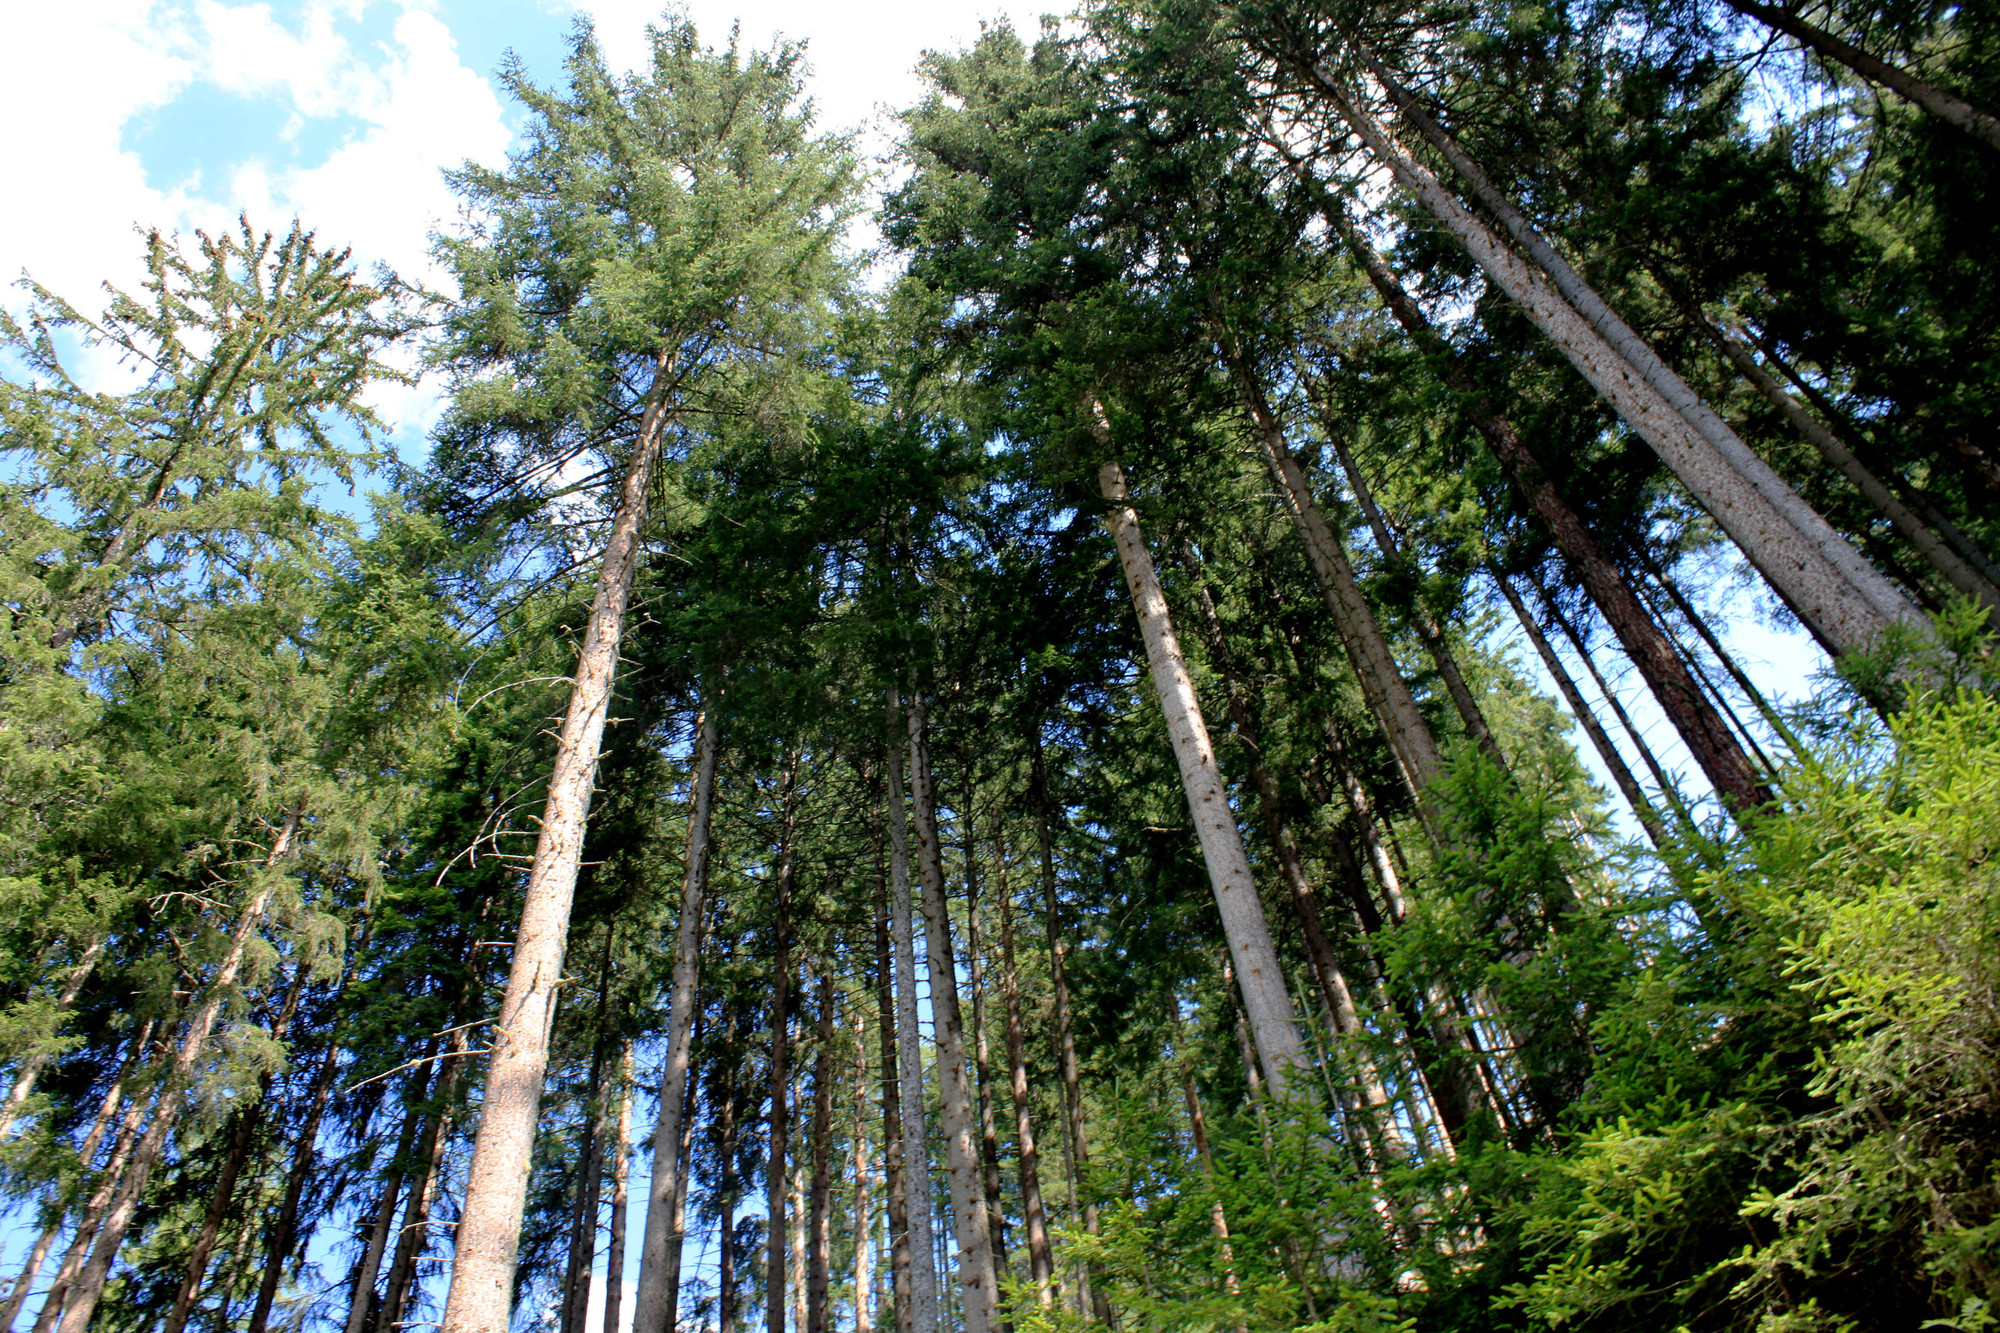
column 1041, row 1258
column 31, row 1067
column 146, row 1153
column 819, row 1242
column 653, row 1305
column 864, row 1179
column 1723, row 761
column 1952, row 110
column 779, row 1126
column 982, row 1063
column 978, row 1292
column 614, row 1261
column 1621, row 773
column 910, row 1075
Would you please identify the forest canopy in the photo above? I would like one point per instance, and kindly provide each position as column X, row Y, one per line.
column 1167, row 751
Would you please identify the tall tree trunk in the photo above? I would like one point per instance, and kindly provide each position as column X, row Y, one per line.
column 244, row 1128
column 779, row 1127
column 583, row 1215
column 653, row 1306
column 89, row 1286
column 1259, row 975
column 361, row 1303
column 31, row 1067
column 414, row 1236
column 1810, row 536
column 1723, row 761
column 864, row 1203
column 1614, row 762
column 489, row 1228
column 284, row 1232
column 1218, row 1221
column 796, row 1227
column 92, row 1218
column 982, row 1063
column 1382, row 685
column 1932, row 546
column 924, row 1310
column 1952, row 110
column 1661, row 777
column 978, row 1293
column 1847, row 603
column 1426, row 625
column 614, row 1261
column 897, row 1202
column 820, row 1240
column 726, row 1300
column 107, row 1112
column 1041, row 1259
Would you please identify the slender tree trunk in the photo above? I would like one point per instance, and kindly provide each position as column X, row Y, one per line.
column 1427, row 627
column 978, row 1292
column 31, row 1067
column 1628, row 785
column 107, row 1112
column 1810, row 536
column 414, row 1237
column 1982, row 471
column 489, row 1228
column 892, row 1115
column 1957, row 571
column 982, row 1063
column 820, row 1241
column 89, row 1286
column 1236, row 901
column 1953, row 111
column 1847, row 603
column 924, row 1310
column 796, row 1228
column 589, row 1185
column 1382, row 685
column 1728, row 769
column 1218, row 1221
column 94, row 1210
column 726, row 1301
column 614, row 1263
column 361, row 1302
column 284, row 1233
column 1041, row 1259
column 780, row 1123
column 864, row 1204
column 653, row 1306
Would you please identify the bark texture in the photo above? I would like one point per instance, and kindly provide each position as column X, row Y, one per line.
column 660, row 1250
column 1249, row 934
column 909, row 1063
column 489, row 1228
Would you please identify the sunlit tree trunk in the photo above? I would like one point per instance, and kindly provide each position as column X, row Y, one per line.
column 621, row 1165
column 1249, row 935
column 653, row 1305
column 909, row 1062
column 31, row 1068
column 1847, row 603
column 864, row 1179
column 778, row 1127
column 489, row 1230
column 819, row 1240
column 982, row 1062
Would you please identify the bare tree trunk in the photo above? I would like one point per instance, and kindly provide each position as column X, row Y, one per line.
column 897, row 1202
column 725, row 1142
column 589, row 1185
column 978, row 1293
column 94, row 1210
column 916, row 1152
column 1382, row 685
column 1259, row 975
column 1953, row 111
column 32, row 1066
column 89, row 1286
column 614, row 1263
column 660, row 1252
column 1628, row 785
column 982, row 1063
column 1847, row 603
column 414, row 1237
column 284, row 1233
column 780, row 1124
column 489, row 1228
column 820, row 1241
column 107, row 1112
column 1956, row 570
column 795, row 1230
column 1041, row 1259
column 864, row 1204
column 361, row 1302
column 1728, row 769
